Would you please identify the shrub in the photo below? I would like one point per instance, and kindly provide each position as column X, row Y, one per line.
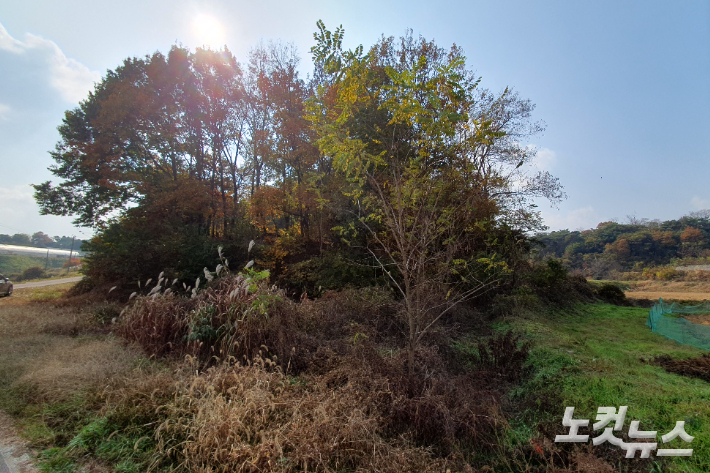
column 548, row 274
column 107, row 313
column 662, row 273
column 332, row 271
column 504, row 355
column 611, row 293
column 70, row 264
column 34, row 272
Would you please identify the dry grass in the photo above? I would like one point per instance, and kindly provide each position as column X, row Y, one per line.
column 669, row 296
column 248, row 418
column 669, row 290
column 352, row 408
column 327, row 389
column 58, row 351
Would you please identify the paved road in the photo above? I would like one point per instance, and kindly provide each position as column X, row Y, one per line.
column 3, row 466
column 45, row 283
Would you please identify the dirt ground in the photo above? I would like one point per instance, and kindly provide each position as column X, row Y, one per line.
column 703, row 319
column 698, row 367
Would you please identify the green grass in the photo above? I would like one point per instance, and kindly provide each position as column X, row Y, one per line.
column 53, row 275
column 18, row 263
column 592, row 356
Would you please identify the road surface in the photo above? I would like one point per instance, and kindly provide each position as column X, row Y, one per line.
column 3, row 467
column 45, row 283
column 15, row 457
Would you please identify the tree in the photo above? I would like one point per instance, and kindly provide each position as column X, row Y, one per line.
column 147, row 128
column 425, row 167
column 20, row 239
column 41, row 240
column 691, row 235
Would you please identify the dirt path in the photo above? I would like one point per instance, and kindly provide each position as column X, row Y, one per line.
column 47, row 283
column 15, row 456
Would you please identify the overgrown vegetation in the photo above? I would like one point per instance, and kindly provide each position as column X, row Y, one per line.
column 386, row 314
column 235, row 376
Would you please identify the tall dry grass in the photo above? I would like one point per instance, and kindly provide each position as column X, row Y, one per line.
column 353, row 405
column 55, row 349
column 246, row 418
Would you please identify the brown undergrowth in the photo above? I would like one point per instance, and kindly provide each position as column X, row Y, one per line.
column 240, row 378
column 329, row 389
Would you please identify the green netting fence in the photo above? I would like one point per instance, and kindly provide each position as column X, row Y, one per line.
column 665, row 319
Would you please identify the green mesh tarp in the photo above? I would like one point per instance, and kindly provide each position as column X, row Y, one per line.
column 662, row 321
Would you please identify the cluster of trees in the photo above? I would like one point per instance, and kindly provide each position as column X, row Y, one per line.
column 394, row 158
column 633, row 245
column 40, row 240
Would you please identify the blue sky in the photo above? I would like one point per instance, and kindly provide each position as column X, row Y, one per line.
column 623, row 87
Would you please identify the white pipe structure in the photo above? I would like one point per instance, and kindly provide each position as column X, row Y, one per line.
column 31, row 251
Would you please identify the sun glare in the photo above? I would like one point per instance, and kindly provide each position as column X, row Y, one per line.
column 209, row 31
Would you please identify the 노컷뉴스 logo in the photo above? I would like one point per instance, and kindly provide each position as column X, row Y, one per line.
column 607, row 414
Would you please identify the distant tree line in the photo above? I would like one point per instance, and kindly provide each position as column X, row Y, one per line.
column 630, row 246
column 40, row 240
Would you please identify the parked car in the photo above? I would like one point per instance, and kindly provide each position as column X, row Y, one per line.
column 5, row 286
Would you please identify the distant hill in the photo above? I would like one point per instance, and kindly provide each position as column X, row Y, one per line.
column 631, row 246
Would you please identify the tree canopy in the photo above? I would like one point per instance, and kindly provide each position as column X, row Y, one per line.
column 195, row 143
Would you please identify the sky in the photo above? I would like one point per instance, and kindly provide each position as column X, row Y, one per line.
column 623, row 87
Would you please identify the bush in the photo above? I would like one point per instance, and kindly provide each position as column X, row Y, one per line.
column 332, row 271
column 34, row 272
column 142, row 245
column 662, row 273
column 71, row 264
column 504, row 355
column 548, row 274
column 551, row 282
column 107, row 313
column 611, row 293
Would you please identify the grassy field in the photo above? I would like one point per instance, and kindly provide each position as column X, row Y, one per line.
column 597, row 356
column 53, row 361
column 18, row 263
column 59, row 365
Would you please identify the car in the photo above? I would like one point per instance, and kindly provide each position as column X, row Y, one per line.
column 5, row 286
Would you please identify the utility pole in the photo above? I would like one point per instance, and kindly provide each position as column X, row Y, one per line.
column 70, row 252
column 46, row 263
